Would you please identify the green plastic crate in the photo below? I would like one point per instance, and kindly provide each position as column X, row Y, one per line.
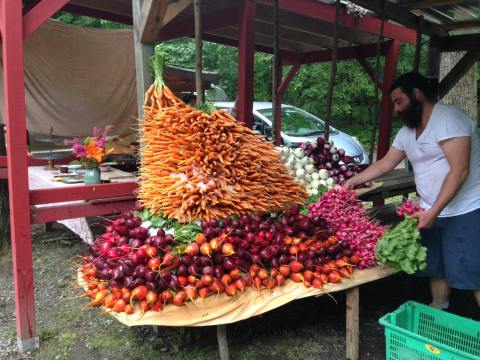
column 418, row 332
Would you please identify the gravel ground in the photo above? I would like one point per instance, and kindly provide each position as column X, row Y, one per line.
column 312, row 328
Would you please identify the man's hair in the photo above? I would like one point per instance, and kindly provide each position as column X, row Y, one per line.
column 411, row 80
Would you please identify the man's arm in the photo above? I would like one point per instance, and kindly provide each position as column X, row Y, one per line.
column 457, row 152
column 377, row 169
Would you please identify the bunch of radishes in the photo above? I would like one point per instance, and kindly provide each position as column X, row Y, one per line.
column 352, row 223
column 302, row 168
column 326, row 156
column 409, row 208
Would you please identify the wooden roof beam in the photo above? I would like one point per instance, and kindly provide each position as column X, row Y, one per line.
column 402, row 16
column 456, row 42
column 116, row 7
column 155, row 14
column 422, row 4
column 368, row 24
column 462, row 25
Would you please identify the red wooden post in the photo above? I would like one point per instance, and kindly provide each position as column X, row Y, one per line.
column 14, row 99
column 246, row 45
column 385, row 128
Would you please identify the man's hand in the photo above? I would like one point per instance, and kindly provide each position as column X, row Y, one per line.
column 349, row 184
column 425, row 218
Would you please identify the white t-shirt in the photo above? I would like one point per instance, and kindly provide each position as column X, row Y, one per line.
column 430, row 164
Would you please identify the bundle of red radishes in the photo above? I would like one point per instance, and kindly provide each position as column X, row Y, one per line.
column 352, row 224
column 128, row 264
column 409, row 208
column 335, row 161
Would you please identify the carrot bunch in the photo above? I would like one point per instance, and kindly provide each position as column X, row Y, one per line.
column 201, row 166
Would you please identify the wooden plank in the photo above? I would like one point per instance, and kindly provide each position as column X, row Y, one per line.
column 174, row 9
column 457, row 42
column 143, row 52
column 85, row 192
column 353, row 323
column 400, row 15
column 115, row 7
column 39, row 14
column 422, row 4
column 151, row 19
column 457, row 72
column 370, row 71
column 223, row 342
column 15, row 120
column 99, row 14
column 39, row 215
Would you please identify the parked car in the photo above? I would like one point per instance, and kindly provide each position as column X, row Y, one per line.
column 299, row 126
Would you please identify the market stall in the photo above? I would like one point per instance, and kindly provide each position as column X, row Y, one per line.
column 229, row 22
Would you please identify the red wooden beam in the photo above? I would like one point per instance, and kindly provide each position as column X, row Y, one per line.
column 288, row 78
column 3, row 173
column 85, row 192
column 61, row 212
column 210, row 21
column 246, row 63
column 344, row 53
column 385, row 128
column 14, row 111
column 39, row 14
column 325, row 12
column 38, row 162
column 370, row 71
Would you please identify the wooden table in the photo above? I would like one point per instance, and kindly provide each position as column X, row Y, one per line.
column 396, row 182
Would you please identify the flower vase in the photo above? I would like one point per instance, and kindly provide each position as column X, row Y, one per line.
column 92, row 176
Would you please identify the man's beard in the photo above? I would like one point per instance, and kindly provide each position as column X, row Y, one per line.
column 412, row 116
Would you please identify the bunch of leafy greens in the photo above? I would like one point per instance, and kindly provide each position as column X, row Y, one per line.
column 401, row 249
column 183, row 233
column 313, row 199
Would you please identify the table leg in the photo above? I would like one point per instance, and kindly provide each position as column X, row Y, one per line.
column 223, row 342
column 352, row 341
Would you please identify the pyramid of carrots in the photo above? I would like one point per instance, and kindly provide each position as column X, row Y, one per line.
column 199, row 166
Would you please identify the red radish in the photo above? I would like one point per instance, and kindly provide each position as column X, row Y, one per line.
column 285, row 271
column 263, row 274
column 206, row 280
column 154, row 263
column 151, row 252
column 269, row 283
column 228, row 249
column 317, row 283
column 334, row 277
column 216, row 287
column 128, row 309
column 297, row 277
column 126, row 295
column 168, row 259
column 296, row 267
column 323, row 277
column 179, row 298
column 236, row 274
column 139, row 293
column 340, row 263
column 345, row 273
column 240, row 284
column 257, row 283
column 203, row 292
column 308, row 275
column 151, row 297
column 226, row 279
column 279, row 280
column 157, row 305
column 206, row 249
column 182, row 281
column 355, row 260
column 119, row 306
column 191, row 292
column 144, row 306
column 192, row 249
column 231, row 290
column 166, row 297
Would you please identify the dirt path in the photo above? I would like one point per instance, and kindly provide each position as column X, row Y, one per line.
column 312, row 328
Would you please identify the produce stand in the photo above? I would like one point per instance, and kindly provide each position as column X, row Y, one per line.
column 237, row 23
column 222, row 310
column 396, row 182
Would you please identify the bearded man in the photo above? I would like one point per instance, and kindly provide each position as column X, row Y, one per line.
column 441, row 143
